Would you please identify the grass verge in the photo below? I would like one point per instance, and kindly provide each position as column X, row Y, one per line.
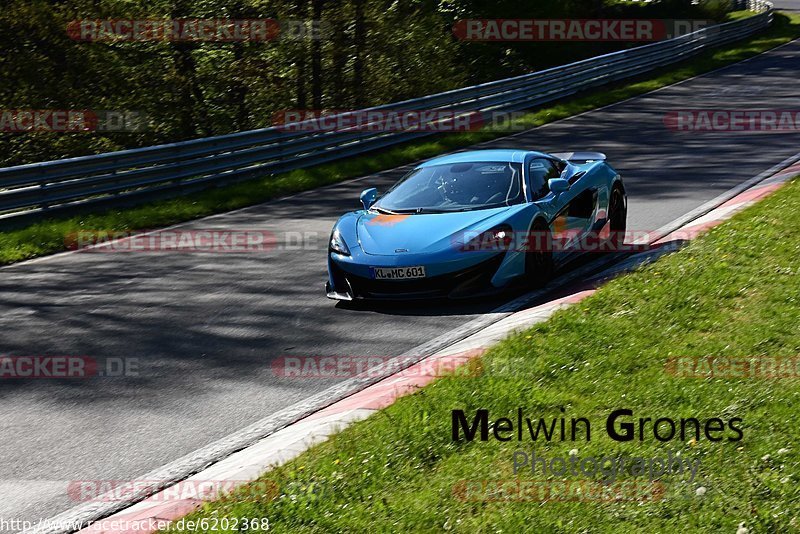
column 731, row 293
column 48, row 236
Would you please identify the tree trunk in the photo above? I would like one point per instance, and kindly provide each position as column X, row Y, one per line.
column 300, row 86
column 358, row 62
column 316, row 58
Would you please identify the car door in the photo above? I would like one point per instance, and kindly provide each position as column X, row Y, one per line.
column 574, row 212
column 540, row 170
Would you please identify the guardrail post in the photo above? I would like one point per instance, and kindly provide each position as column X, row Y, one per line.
column 115, row 180
column 43, row 204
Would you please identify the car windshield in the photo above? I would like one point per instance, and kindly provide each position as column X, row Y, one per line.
column 455, row 187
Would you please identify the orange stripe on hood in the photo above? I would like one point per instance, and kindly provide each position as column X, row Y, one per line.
column 387, row 220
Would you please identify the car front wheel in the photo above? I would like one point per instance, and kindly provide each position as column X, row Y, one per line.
column 539, row 255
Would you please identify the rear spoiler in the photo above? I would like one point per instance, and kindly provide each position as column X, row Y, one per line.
column 581, row 157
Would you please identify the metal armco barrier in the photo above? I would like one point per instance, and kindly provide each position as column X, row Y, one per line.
column 38, row 190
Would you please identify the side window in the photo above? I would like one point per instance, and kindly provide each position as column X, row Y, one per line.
column 539, row 171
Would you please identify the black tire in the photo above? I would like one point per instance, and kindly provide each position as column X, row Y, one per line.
column 539, row 256
column 617, row 216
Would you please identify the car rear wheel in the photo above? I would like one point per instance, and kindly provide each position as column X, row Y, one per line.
column 539, row 256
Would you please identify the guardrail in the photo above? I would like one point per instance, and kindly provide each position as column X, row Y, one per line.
column 38, row 190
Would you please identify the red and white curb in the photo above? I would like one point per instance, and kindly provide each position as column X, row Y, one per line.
column 282, row 446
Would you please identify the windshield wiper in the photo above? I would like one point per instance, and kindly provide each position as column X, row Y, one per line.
column 418, row 211
column 405, row 211
column 428, row 210
column 452, row 210
column 385, row 211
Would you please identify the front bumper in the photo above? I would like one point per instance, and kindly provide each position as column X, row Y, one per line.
column 474, row 280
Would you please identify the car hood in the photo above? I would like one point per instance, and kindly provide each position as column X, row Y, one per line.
column 389, row 235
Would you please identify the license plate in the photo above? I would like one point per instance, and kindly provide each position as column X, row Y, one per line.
column 397, row 273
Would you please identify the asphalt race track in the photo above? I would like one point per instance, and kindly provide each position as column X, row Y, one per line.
column 204, row 328
column 787, row 5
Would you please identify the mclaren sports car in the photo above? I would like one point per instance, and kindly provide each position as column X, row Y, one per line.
column 474, row 223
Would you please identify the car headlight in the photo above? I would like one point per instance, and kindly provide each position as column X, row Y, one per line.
column 337, row 244
column 496, row 239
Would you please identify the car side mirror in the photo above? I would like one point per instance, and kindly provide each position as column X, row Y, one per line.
column 368, row 197
column 558, row 185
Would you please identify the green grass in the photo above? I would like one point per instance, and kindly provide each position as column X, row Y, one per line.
column 731, row 293
column 48, row 236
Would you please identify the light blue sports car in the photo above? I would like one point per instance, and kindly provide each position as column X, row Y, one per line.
column 475, row 222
